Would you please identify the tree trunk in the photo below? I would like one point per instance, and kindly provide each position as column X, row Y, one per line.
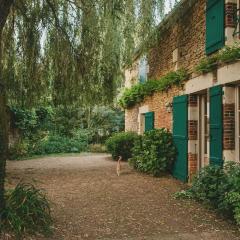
column 5, row 6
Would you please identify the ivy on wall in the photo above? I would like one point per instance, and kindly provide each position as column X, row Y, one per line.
column 137, row 93
column 227, row 55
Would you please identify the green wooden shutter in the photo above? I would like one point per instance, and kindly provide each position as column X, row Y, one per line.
column 215, row 30
column 149, row 121
column 216, row 126
column 180, row 137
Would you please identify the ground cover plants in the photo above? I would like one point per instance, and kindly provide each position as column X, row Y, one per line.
column 217, row 187
column 27, row 211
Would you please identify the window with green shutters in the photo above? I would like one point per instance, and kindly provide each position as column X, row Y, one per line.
column 149, row 121
column 215, row 30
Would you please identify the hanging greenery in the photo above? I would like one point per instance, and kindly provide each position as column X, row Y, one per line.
column 226, row 55
column 138, row 92
column 73, row 52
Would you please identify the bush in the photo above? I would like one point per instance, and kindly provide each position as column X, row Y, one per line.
column 97, row 148
column 121, row 144
column 154, row 152
column 27, row 211
column 60, row 144
column 18, row 150
column 218, row 187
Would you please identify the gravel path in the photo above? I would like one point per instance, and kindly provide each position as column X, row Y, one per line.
column 91, row 202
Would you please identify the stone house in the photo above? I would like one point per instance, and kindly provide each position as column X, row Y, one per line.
column 204, row 114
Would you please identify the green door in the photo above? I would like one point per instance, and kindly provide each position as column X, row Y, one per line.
column 216, row 126
column 180, row 137
column 149, row 121
column 215, row 30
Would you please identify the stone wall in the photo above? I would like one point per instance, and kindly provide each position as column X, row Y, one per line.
column 181, row 46
column 187, row 36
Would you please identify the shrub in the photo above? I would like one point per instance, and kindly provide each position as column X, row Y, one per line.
column 121, row 144
column 18, row 150
column 60, row 144
column 97, row 148
column 27, row 211
column 207, row 186
column 218, row 187
column 154, row 152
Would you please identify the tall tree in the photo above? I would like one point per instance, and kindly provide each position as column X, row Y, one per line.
column 69, row 51
column 5, row 9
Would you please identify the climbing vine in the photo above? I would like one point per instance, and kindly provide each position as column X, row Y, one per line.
column 226, row 55
column 138, row 92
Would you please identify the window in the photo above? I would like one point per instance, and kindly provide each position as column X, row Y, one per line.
column 143, row 69
column 215, row 30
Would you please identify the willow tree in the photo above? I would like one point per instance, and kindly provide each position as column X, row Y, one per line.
column 69, row 51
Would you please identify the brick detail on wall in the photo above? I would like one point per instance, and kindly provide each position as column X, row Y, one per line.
column 192, row 129
column 229, row 126
column 157, row 104
column 187, row 35
column 192, row 165
column 230, row 9
column 193, row 101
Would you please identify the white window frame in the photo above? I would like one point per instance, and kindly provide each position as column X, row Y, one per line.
column 237, row 120
column 201, row 131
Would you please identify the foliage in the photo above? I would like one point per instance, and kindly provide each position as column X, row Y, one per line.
column 93, row 40
column 27, row 211
column 154, row 152
column 97, row 148
column 121, row 144
column 138, row 92
column 226, row 55
column 46, row 130
column 206, row 65
column 61, row 144
column 29, row 122
column 218, row 187
column 19, row 150
column 229, row 54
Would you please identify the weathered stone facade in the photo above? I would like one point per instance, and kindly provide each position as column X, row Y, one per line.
column 182, row 45
column 188, row 36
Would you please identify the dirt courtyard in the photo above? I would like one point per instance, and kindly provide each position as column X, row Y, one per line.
column 91, row 202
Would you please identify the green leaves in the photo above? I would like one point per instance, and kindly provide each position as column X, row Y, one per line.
column 218, row 187
column 226, row 55
column 154, row 152
column 27, row 211
column 121, row 144
column 138, row 92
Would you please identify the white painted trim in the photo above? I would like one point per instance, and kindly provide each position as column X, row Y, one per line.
column 229, row 73
column 141, row 119
column 199, row 83
column 237, row 127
